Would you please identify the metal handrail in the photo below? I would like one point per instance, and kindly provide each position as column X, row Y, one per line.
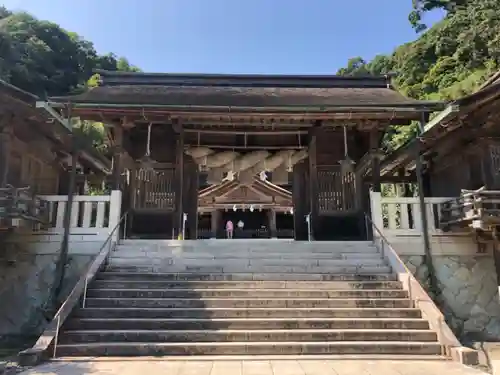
column 416, row 292
column 50, row 335
column 108, row 243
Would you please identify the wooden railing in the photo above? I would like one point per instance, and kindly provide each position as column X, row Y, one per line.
column 479, row 209
column 95, row 215
column 20, row 207
column 402, row 216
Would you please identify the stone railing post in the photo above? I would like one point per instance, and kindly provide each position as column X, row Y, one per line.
column 376, row 210
column 114, row 212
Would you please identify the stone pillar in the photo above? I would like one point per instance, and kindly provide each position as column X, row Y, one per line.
column 272, row 223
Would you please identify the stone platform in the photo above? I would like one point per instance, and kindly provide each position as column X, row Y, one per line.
column 256, row 366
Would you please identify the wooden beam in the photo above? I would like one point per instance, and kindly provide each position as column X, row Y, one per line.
column 244, row 132
column 247, row 147
column 392, row 179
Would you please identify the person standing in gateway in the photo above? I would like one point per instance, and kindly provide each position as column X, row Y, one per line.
column 229, row 229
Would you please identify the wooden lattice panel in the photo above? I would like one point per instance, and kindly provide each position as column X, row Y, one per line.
column 336, row 192
column 495, row 162
column 154, row 189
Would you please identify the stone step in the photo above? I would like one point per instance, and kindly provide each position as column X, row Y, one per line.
column 242, row 323
column 247, row 302
column 244, row 263
column 318, row 285
column 277, row 335
column 248, row 348
column 211, row 313
column 252, row 244
column 244, row 293
column 361, row 275
column 232, row 255
column 339, row 269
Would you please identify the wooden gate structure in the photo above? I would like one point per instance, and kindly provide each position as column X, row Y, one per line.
column 249, row 116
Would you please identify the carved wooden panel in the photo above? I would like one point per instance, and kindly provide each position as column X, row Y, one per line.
column 336, row 192
column 154, row 189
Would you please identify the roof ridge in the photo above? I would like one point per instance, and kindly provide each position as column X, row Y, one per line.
column 115, row 78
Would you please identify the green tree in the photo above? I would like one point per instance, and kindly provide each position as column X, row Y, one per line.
column 450, row 60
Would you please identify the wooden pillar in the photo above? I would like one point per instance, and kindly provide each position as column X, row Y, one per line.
column 313, row 181
column 214, row 222
column 374, row 150
column 300, row 200
column 190, row 197
column 272, row 223
column 5, row 145
column 433, row 282
column 117, row 156
column 63, row 254
column 179, row 175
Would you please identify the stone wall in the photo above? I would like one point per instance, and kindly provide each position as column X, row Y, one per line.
column 27, row 273
column 468, row 292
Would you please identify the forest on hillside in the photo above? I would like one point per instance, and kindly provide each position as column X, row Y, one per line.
column 447, row 61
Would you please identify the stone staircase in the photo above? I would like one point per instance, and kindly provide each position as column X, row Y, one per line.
column 252, row 297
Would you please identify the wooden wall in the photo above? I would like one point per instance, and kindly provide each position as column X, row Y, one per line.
column 468, row 167
column 30, row 168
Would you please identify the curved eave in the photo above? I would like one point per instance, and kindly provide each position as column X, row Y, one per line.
column 441, row 125
column 422, row 106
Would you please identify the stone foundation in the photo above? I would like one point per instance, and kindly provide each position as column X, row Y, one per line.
column 468, row 293
column 27, row 274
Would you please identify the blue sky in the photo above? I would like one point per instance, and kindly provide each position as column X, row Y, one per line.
column 234, row 36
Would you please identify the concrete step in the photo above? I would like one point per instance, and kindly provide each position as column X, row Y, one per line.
column 250, row 285
column 244, row 293
column 258, row 312
column 340, row 269
column 277, row 335
column 248, row 348
column 247, row 302
column 361, row 275
column 242, row 323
